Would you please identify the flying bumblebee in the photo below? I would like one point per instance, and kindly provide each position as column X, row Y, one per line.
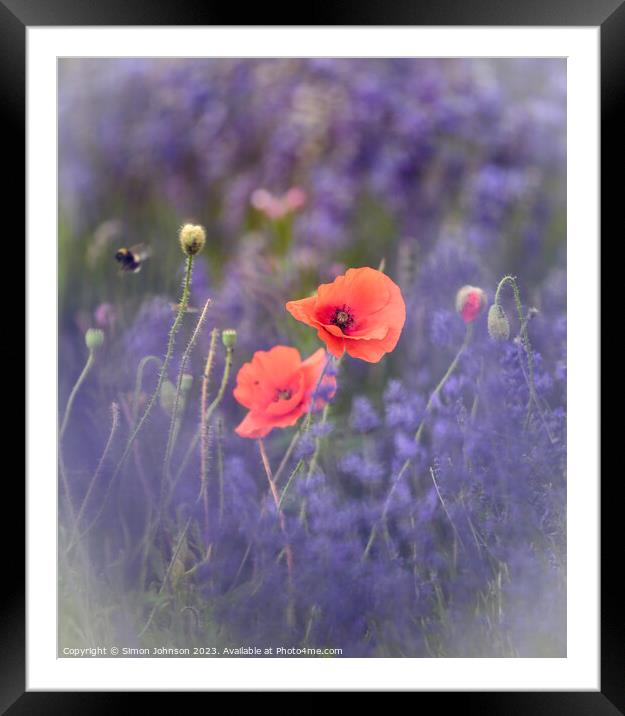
column 130, row 260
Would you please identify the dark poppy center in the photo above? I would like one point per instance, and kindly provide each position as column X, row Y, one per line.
column 283, row 394
column 342, row 318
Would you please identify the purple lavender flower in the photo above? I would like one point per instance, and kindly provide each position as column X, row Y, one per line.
column 363, row 417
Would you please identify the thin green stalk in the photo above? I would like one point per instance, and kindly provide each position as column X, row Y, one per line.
column 96, row 474
column 315, row 456
column 452, row 367
column 139, row 382
column 444, row 506
column 183, row 364
column 75, row 389
column 66, row 488
column 292, row 477
column 524, row 335
column 182, row 307
column 220, row 467
column 63, row 428
column 276, row 498
column 209, row 413
column 304, row 429
column 285, row 458
column 204, row 433
column 166, row 577
column 82, row 554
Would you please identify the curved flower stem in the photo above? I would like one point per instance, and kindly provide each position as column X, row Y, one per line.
column 511, row 280
column 171, row 437
column 204, row 426
column 139, row 382
column 96, row 475
column 452, row 367
column 63, row 428
column 74, row 392
column 182, row 307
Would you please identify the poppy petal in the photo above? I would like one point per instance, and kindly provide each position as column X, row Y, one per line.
column 278, row 365
column 312, row 368
column 285, row 405
column 253, row 426
column 251, row 389
column 303, row 309
column 374, row 303
column 373, row 350
column 335, row 345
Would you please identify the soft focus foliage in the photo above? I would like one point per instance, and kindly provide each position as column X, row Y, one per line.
column 441, row 173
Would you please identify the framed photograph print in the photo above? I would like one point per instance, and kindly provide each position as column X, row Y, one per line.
column 312, row 350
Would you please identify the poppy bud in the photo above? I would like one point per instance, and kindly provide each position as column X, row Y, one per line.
column 186, row 382
column 498, row 324
column 168, row 397
column 229, row 338
column 94, row 338
column 470, row 300
column 192, row 239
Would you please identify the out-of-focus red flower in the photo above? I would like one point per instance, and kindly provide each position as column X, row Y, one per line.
column 277, row 387
column 277, row 207
column 361, row 312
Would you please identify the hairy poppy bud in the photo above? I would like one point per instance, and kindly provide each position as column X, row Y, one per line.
column 470, row 300
column 94, row 338
column 498, row 324
column 192, row 239
column 229, row 338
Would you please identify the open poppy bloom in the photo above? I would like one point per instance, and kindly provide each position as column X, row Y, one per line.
column 362, row 312
column 277, row 387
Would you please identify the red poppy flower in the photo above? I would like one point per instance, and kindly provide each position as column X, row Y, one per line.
column 277, row 388
column 362, row 312
column 470, row 300
column 277, row 207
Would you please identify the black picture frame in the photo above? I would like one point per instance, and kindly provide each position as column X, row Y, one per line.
column 17, row 15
